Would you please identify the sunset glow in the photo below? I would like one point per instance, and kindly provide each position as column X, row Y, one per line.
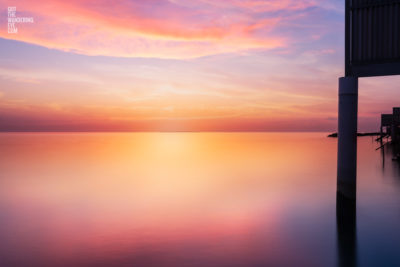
column 175, row 65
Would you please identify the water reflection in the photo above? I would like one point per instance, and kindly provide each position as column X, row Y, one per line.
column 390, row 155
column 192, row 199
column 346, row 224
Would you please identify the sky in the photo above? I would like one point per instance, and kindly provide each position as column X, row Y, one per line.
column 179, row 65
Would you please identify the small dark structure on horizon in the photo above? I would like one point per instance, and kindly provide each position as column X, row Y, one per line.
column 390, row 125
column 386, row 124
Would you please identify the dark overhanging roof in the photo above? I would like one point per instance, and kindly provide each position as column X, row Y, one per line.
column 372, row 38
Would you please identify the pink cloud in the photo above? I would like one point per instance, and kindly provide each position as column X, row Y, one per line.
column 156, row 28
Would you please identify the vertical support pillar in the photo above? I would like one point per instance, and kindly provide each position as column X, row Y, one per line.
column 347, row 137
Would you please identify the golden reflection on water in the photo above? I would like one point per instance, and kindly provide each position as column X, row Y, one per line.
column 160, row 198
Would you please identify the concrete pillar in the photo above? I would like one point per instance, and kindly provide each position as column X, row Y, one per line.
column 347, row 137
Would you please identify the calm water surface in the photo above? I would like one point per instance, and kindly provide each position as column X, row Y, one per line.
column 191, row 199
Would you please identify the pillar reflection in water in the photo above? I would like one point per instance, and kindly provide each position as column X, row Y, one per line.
column 346, row 230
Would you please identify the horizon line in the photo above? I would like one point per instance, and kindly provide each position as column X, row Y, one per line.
column 126, row 131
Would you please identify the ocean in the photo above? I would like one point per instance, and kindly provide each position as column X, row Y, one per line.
column 192, row 199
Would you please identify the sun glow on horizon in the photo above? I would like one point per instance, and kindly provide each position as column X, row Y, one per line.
column 172, row 65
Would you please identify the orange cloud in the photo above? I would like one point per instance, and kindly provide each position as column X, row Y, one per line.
column 157, row 28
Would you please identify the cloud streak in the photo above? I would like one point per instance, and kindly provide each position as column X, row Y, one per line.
column 275, row 65
column 156, row 28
